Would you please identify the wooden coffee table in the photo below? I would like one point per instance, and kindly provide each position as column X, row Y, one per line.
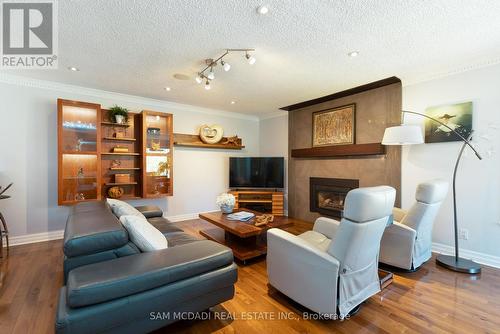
column 245, row 239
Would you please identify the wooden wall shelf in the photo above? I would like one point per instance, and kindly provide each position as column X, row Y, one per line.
column 113, row 153
column 115, row 124
column 119, row 139
column 121, row 184
column 124, row 168
column 340, row 151
column 80, row 152
column 186, row 140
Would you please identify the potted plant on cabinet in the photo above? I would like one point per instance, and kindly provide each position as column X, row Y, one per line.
column 118, row 114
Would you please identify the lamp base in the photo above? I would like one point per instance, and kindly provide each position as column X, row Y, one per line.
column 460, row 265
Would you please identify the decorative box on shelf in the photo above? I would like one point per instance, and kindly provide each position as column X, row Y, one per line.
column 120, row 149
column 122, row 178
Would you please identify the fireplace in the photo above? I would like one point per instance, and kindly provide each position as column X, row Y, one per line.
column 327, row 195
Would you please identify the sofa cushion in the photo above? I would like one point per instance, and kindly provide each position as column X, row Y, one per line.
column 164, row 225
column 121, row 208
column 150, row 211
column 143, row 234
column 92, row 228
column 71, row 263
column 99, row 282
column 180, row 238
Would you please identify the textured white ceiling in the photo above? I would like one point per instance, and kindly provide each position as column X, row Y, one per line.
column 136, row 47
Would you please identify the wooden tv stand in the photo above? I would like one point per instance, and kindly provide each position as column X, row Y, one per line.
column 272, row 201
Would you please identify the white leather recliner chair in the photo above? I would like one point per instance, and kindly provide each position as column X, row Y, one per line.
column 334, row 266
column 407, row 243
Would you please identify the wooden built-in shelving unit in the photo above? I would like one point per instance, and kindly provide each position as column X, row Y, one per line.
column 87, row 163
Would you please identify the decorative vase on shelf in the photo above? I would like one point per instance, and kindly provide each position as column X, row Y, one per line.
column 120, row 119
column 227, row 208
column 226, row 202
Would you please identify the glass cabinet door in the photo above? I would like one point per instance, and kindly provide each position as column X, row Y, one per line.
column 78, row 131
column 157, row 154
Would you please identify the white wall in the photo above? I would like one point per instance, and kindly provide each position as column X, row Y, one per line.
column 274, row 142
column 274, row 136
column 478, row 182
column 28, row 152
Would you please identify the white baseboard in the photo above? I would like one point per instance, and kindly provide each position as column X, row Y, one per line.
column 179, row 218
column 188, row 216
column 486, row 259
column 36, row 237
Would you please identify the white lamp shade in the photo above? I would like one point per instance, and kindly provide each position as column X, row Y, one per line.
column 403, row 135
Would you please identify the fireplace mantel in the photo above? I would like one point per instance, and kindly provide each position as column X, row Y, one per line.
column 337, row 151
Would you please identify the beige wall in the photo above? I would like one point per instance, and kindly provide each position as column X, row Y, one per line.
column 375, row 110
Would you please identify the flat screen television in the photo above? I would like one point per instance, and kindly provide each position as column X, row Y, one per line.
column 249, row 172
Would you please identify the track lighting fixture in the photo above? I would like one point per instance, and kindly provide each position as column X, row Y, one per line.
column 212, row 63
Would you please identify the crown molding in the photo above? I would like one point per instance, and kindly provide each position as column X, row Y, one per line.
column 80, row 90
column 460, row 70
column 273, row 114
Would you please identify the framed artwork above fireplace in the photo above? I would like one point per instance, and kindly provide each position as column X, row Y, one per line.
column 334, row 126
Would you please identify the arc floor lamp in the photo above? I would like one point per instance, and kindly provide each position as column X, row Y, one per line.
column 412, row 134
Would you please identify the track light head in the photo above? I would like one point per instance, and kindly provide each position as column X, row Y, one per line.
column 211, row 74
column 198, row 79
column 251, row 59
column 225, row 65
column 207, row 85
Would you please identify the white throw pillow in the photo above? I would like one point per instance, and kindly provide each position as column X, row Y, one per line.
column 144, row 235
column 121, row 208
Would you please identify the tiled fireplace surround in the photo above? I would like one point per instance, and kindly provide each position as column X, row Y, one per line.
column 376, row 109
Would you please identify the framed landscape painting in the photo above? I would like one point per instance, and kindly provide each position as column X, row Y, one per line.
column 334, row 126
column 456, row 116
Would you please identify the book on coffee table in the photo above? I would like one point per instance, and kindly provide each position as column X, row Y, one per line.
column 242, row 216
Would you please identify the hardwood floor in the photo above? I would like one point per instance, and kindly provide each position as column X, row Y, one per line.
column 431, row 300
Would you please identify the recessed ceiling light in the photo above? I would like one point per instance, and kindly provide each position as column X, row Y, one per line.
column 168, row 89
column 233, row 102
column 74, row 69
column 353, row 54
column 263, row 10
